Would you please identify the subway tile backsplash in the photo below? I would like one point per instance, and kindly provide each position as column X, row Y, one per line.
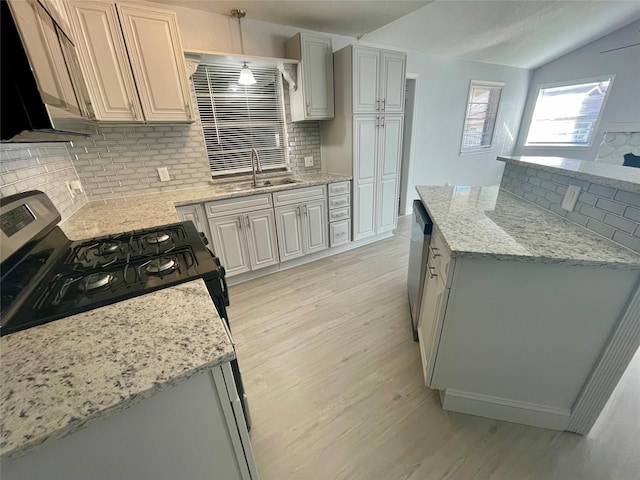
column 122, row 160
column 40, row 166
column 612, row 213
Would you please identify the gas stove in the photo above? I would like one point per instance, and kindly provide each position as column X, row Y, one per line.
column 47, row 276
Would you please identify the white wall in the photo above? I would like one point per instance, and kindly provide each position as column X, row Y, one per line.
column 623, row 104
column 441, row 96
column 441, row 102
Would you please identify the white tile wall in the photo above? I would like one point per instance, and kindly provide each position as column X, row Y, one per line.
column 122, row 160
column 612, row 213
column 40, row 166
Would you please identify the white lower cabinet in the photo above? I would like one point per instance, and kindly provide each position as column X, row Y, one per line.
column 245, row 241
column 189, row 430
column 196, row 215
column 302, row 228
column 243, row 232
column 301, row 221
column 339, row 213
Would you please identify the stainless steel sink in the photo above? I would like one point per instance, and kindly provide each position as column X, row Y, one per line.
column 274, row 182
column 270, row 182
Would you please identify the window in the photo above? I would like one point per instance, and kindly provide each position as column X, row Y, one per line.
column 568, row 114
column 237, row 118
column 480, row 120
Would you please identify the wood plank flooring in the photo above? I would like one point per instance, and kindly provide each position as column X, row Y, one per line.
column 336, row 392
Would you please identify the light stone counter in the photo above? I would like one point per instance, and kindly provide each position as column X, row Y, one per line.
column 489, row 222
column 145, row 211
column 58, row 376
column 615, row 176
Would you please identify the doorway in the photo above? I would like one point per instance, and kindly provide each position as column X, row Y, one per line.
column 407, row 135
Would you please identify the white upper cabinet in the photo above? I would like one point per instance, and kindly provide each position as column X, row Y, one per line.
column 378, row 80
column 132, row 59
column 313, row 97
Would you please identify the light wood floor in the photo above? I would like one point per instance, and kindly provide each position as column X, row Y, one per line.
column 336, row 392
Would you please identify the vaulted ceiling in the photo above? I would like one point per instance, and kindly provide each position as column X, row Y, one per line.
column 518, row 33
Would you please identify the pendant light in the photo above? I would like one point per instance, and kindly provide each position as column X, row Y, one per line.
column 246, row 77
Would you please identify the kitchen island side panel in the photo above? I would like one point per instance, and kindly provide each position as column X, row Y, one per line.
column 528, row 332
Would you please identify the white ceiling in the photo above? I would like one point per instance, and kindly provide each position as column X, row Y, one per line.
column 518, row 33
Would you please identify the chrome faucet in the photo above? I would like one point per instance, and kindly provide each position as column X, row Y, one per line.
column 255, row 166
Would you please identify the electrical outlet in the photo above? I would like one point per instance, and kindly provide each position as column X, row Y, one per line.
column 73, row 195
column 571, row 197
column 164, row 174
column 308, row 161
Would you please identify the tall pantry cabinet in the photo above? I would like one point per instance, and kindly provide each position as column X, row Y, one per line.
column 364, row 139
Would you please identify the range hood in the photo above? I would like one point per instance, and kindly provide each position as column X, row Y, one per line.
column 41, row 97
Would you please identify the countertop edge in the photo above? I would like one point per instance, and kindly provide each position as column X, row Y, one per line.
column 629, row 186
column 122, row 405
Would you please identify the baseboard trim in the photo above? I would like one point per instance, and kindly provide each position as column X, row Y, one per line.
column 505, row 409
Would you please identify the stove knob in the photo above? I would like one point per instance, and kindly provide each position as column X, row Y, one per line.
column 204, row 238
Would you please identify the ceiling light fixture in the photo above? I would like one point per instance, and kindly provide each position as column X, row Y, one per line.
column 246, row 77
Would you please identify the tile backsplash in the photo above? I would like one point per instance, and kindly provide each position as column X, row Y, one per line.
column 122, row 160
column 40, row 166
column 616, row 144
column 610, row 212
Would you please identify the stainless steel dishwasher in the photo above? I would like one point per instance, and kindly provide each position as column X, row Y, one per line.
column 418, row 254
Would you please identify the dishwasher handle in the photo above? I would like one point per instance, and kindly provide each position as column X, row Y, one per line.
column 422, row 217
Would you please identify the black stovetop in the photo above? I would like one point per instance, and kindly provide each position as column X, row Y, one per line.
column 59, row 277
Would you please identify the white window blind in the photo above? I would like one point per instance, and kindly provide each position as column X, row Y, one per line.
column 236, row 118
column 567, row 114
column 480, row 120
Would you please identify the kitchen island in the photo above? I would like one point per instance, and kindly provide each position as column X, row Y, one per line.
column 526, row 316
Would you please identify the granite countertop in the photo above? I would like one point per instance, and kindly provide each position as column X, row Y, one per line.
column 488, row 222
column 150, row 210
column 58, row 376
column 615, row 176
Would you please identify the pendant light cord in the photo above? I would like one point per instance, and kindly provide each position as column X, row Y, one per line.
column 238, row 13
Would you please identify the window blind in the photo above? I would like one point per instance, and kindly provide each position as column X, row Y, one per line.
column 236, row 118
column 480, row 120
column 567, row 114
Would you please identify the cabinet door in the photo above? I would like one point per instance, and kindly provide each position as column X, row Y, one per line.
column 157, row 61
column 434, row 299
column 317, row 67
column 315, row 226
column 261, row 238
column 44, row 50
column 196, row 215
column 230, row 243
column 364, row 175
column 289, row 227
column 366, row 72
column 389, row 154
column 104, row 61
column 392, row 82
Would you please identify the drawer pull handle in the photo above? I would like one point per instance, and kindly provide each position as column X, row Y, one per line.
column 433, row 251
column 432, row 271
column 340, row 233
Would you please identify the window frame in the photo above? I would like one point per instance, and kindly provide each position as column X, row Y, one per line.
column 280, row 105
column 490, row 146
column 567, row 83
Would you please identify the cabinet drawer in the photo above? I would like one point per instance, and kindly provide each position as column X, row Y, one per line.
column 341, row 201
column 297, row 195
column 339, row 188
column 339, row 232
column 339, row 214
column 238, row 205
column 439, row 256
